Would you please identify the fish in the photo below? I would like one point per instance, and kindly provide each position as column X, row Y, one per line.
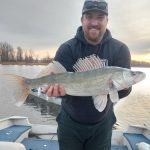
column 90, row 78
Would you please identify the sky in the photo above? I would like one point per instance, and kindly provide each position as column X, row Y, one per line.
column 43, row 25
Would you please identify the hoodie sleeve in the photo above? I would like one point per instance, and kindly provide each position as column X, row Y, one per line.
column 123, row 59
column 65, row 57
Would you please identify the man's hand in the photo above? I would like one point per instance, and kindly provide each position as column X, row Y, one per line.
column 54, row 90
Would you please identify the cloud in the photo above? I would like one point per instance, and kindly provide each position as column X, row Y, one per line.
column 38, row 24
column 129, row 22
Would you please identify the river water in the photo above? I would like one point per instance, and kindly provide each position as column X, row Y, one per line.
column 134, row 109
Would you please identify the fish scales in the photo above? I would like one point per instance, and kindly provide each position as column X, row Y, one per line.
column 86, row 83
column 96, row 81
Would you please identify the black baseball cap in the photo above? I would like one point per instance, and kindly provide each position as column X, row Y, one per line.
column 95, row 5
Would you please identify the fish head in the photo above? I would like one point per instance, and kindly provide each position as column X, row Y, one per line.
column 133, row 77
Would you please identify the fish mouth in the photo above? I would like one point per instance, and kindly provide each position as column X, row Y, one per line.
column 139, row 76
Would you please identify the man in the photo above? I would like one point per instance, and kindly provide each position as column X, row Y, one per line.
column 80, row 125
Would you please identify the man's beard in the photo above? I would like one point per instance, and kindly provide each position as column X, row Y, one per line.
column 94, row 35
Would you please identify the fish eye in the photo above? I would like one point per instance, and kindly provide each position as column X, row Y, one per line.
column 133, row 73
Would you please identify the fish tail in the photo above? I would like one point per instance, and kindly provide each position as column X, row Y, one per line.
column 18, row 87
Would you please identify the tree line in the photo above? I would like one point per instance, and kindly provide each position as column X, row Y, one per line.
column 8, row 54
column 140, row 64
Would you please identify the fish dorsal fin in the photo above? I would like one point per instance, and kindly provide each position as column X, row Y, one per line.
column 88, row 63
column 52, row 68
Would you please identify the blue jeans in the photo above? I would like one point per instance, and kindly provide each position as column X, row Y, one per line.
column 75, row 136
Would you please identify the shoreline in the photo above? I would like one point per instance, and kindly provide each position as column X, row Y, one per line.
column 44, row 64
column 23, row 63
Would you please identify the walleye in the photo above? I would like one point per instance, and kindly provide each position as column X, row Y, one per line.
column 90, row 78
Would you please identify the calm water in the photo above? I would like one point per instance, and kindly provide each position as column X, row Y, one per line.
column 134, row 109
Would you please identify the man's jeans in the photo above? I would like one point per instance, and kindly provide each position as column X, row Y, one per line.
column 75, row 136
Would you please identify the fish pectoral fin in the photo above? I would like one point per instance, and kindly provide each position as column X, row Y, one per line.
column 100, row 102
column 113, row 94
column 52, row 68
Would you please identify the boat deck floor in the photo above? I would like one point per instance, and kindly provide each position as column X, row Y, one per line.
column 39, row 144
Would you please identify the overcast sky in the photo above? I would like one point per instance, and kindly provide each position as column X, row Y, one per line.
column 45, row 24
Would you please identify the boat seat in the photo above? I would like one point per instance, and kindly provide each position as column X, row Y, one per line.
column 133, row 139
column 119, row 147
column 40, row 144
column 12, row 133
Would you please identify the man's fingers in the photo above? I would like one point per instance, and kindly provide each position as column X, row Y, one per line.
column 61, row 90
column 55, row 90
column 50, row 91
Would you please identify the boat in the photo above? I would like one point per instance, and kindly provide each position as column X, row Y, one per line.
column 17, row 133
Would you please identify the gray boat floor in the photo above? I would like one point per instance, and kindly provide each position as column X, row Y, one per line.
column 40, row 144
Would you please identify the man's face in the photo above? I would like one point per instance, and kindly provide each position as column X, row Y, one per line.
column 94, row 25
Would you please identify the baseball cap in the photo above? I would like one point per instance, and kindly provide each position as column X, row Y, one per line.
column 97, row 5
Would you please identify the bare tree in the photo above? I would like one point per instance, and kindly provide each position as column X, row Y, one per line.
column 37, row 59
column 26, row 57
column 6, row 52
column 31, row 55
column 19, row 54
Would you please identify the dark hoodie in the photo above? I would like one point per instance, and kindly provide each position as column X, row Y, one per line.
column 82, row 109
